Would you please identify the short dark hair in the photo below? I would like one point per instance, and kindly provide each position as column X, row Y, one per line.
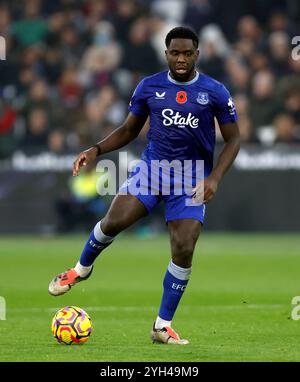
column 182, row 32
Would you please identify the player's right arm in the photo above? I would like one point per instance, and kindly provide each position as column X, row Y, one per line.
column 120, row 137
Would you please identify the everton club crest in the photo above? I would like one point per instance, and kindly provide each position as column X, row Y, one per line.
column 202, row 98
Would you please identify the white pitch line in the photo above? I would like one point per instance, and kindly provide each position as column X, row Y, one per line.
column 153, row 308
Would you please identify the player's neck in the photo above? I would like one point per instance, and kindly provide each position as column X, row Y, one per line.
column 189, row 80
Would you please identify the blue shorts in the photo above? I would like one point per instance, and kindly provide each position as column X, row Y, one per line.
column 178, row 205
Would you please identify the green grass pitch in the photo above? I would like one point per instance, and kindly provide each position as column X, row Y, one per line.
column 237, row 306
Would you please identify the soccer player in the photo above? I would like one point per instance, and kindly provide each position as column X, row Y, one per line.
column 182, row 104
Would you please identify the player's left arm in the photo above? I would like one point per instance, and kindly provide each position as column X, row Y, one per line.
column 225, row 113
column 205, row 190
column 231, row 135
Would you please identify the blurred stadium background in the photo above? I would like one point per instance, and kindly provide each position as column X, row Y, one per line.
column 70, row 69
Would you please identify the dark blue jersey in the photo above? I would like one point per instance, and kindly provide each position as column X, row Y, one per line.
column 182, row 116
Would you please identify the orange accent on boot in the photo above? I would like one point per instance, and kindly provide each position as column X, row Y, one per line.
column 68, row 277
column 171, row 333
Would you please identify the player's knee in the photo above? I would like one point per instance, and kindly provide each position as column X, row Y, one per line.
column 112, row 225
column 183, row 245
column 182, row 252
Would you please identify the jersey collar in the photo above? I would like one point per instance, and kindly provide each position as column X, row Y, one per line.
column 183, row 83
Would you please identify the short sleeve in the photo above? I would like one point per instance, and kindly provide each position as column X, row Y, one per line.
column 225, row 111
column 138, row 103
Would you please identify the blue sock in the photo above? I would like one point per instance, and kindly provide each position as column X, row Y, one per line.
column 94, row 246
column 175, row 282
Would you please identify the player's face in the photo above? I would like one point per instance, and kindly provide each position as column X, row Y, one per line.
column 181, row 57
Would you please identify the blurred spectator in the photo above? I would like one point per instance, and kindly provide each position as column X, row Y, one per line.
column 5, row 20
column 295, row 66
column 39, row 96
column 101, row 58
column 71, row 47
column 56, row 142
column 262, row 10
column 138, row 54
column 263, row 105
column 289, row 92
column 241, row 102
column 246, row 48
column 198, row 13
column 238, row 74
column 279, row 52
column 52, row 65
column 259, row 61
column 173, row 9
column 286, row 129
column 102, row 107
column 70, row 89
column 280, row 22
column 31, row 58
column 213, row 50
column 159, row 27
column 56, row 23
column 10, row 66
column 25, row 78
column 249, row 29
column 212, row 34
column 7, row 122
column 247, row 132
column 31, row 29
column 127, row 11
column 227, row 15
column 95, row 11
column 35, row 139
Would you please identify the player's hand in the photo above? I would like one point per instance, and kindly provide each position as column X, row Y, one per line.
column 83, row 159
column 205, row 190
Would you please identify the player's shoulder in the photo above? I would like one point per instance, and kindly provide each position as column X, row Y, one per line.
column 156, row 78
column 211, row 83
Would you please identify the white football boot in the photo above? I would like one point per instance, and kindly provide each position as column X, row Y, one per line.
column 63, row 282
column 167, row 335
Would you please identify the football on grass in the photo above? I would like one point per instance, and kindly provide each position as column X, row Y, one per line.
column 71, row 325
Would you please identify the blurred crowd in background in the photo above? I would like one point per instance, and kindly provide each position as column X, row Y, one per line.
column 72, row 65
